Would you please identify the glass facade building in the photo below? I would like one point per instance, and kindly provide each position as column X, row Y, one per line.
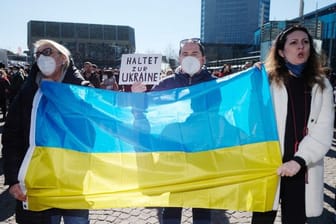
column 321, row 25
column 100, row 44
column 229, row 25
column 325, row 19
column 232, row 21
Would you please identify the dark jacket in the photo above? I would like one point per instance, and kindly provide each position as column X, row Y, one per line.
column 15, row 137
column 16, row 82
column 181, row 80
column 4, row 88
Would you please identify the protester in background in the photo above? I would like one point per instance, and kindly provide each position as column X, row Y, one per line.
column 90, row 75
column 26, row 69
column 247, row 65
column 109, row 81
column 53, row 63
column 97, row 75
column 191, row 59
column 304, row 109
column 226, row 70
column 4, row 90
column 94, row 68
column 87, row 69
column 16, row 80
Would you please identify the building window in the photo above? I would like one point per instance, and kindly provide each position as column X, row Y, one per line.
column 109, row 33
column 68, row 30
column 82, row 31
column 52, row 30
column 123, row 33
column 96, row 32
column 37, row 29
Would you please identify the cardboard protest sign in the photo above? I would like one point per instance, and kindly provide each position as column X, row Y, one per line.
column 143, row 68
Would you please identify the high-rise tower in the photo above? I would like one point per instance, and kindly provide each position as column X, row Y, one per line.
column 232, row 21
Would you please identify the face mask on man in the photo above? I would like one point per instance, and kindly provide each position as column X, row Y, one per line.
column 190, row 65
column 46, row 64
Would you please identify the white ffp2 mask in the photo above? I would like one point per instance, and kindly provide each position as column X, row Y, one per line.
column 46, row 64
column 190, row 65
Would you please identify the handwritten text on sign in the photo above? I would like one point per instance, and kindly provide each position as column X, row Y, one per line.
column 143, row 68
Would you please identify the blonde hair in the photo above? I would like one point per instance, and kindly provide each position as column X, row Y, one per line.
column 59, row 47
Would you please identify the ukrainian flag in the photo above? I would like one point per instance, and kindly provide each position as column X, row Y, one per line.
column 211, row 145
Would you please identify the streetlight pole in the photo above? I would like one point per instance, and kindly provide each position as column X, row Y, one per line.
column 301, row 9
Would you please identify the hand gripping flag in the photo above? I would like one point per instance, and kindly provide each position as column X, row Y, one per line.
column 211, row 145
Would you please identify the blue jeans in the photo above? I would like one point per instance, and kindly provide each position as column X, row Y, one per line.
column 70, row 216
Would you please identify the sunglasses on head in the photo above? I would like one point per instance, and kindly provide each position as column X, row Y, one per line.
column 190, row 40
column 46, row 52
column 291, row 29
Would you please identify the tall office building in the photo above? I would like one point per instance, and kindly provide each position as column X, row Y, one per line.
column 230, row 24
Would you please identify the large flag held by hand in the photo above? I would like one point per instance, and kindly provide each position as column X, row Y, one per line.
column 211, row 145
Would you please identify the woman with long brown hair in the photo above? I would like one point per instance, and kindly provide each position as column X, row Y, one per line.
column 303, row 103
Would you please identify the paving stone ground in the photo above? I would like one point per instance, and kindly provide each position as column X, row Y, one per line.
column 151, row 215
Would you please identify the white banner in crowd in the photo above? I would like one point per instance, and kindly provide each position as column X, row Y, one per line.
column 143, row 68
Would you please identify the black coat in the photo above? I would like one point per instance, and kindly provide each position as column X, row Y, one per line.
column 15, row 137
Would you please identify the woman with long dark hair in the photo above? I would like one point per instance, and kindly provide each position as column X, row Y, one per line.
column 303, row 103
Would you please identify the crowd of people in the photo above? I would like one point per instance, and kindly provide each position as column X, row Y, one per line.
column 303, row 104
column 228, row 69
column 11, row 79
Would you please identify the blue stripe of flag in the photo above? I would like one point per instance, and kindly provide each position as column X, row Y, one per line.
column 211, row 115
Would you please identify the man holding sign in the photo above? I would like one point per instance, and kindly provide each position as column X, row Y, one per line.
column 191, row 72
